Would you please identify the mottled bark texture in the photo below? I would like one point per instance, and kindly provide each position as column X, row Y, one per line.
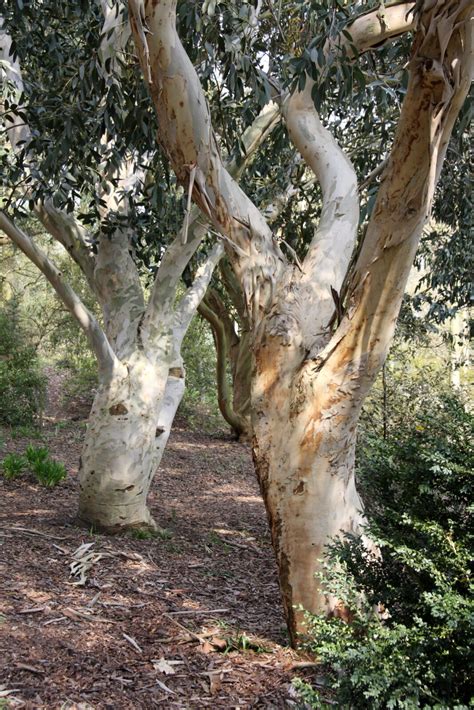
column 137, row 342
column 310, row 379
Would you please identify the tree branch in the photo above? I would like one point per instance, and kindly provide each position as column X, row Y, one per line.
column 329, row 253
column 97, row 339
column 70, row 233
column 186, row 133
column 186, row 308
column 441, row 70
column 224, row 393
column 178, row 255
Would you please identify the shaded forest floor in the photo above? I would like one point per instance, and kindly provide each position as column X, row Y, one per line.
column 189, row 619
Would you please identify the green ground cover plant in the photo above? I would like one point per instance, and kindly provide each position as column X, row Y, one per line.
column 47, row 471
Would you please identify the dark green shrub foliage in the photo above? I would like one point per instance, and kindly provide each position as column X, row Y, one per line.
column 22, row 386
column 49, row 473
column 409, row 643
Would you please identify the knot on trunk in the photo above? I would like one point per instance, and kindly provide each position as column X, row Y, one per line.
column 118, row 409
column 176, row 372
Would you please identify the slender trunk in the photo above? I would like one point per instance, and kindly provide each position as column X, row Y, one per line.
column 121, row 451
column 228, row 352
column 241, row 365
column 174, row 393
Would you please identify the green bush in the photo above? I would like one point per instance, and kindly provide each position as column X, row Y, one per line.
column 36, row 455
column 13, row 465
column 412, row 608
column 22, row 386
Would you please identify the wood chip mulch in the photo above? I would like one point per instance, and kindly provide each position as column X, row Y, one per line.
column 189, row 619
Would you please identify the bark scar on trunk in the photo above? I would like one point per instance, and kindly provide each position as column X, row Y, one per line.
column 118, row 409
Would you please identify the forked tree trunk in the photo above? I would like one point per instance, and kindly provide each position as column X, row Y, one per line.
column 121, row 447
column 304, row 452
column 309, row 380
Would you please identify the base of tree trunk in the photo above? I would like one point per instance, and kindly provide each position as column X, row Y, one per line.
column 143, row 522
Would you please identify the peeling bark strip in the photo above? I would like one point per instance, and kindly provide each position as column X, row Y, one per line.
column 187, row 135
column 309, row 384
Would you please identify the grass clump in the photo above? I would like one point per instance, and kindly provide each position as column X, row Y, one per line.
column 13, row 466
column 47, row 471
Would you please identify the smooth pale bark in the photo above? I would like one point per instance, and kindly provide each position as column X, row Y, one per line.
column 119, row 456
column 141, row 373
column 309, row 380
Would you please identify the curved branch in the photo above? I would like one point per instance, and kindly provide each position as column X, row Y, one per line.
column 186, row 308
column 186, row 133
column 97, row 338
column 70, row 233
column 178, row 254
column 328, row 256
column 441, row 71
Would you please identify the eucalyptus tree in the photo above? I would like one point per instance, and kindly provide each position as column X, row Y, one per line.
column 321, row 329
column 79, row 154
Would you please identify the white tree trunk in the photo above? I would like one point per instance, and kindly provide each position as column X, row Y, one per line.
column 310, row 381
column 121, row 448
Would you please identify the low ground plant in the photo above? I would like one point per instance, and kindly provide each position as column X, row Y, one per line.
column 13, row 466
column 46, row 470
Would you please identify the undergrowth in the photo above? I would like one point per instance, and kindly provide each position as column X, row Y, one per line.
column 47, row 471
column 409, row 642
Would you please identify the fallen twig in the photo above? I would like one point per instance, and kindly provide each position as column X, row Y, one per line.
column 77, row 614
column 194, row 612
column 26, row 667
column 31, row 531
column 132, row 642
column 198, row 637
column 33, row 610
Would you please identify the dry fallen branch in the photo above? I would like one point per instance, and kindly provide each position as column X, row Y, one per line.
column 31, row 531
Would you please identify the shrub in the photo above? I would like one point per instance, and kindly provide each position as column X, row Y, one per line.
column 22, row 387
column 13, row 465
column 36, row 455
column 408, row 644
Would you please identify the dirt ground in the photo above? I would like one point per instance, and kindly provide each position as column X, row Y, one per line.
column 189, row 619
